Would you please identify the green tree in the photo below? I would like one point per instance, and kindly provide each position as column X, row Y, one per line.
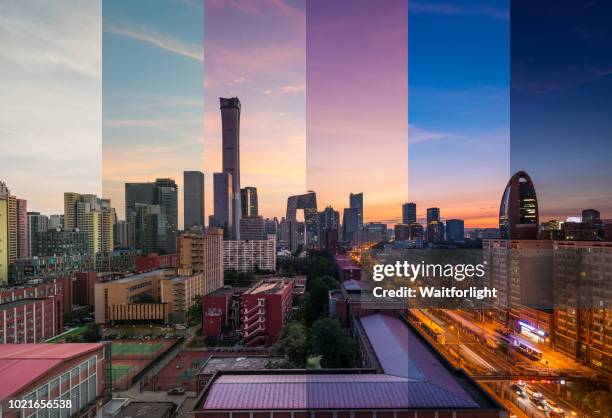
column 92, row 334
column 317, row 300
column 194, row 313
column 292, row 344
column 335, row 346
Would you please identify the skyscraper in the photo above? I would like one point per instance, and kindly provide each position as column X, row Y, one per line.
column 37, row 224
column 193, row 199
column 252, row 228
column 349, row 224
column 223, row 192
column 22, row 228
column 409, row 213
column 13, row 230
column 230, row 121
column 249, row 203
column 433, row 214
column 455, row 230
column 307, row 202
column 518, row 211
column 93, row 216
column 164, row 193
column 356, row 202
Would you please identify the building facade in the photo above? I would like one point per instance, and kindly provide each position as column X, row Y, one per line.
column 246, row 256
column 409, row 215
column 193, row 184
column 230, row 121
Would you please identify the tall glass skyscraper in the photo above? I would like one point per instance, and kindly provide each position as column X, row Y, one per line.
column 433, row 214
column 518, row 211
column 249, row 203
column 193, row 199
column 230, row 121
column 356, row 202
column 409, row 213
column 222, row 191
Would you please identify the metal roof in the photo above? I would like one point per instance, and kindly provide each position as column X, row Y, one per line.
column 327, row 391
column 20, row 364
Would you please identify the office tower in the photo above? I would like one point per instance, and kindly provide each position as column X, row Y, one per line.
column 356, row 202
column 590, row 216
column 409, row 213
column 250, row 206
column 375, row 232
column 435, row 231
column 92, row 215
column 415, row 231
column 193, row 199
column 252, row 228
column 223, row 207
column 123, row 234
column 290, row 232
column 455, row 230
column 150, row 229
column 518, row 211
column 308, row 203
column 56, row 221
column 271, row 226
column 350, row 224
column 211, row 220
column 401, row 232
column 37, row 223
column 230, row 121
column 329, row 227
column 163, row 193
column 433, row 214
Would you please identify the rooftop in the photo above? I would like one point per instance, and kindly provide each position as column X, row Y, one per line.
column 215, row 364
column 345, row 263
column 146, row 409
column 20, row 364
column 136, row 277
column 269, row 286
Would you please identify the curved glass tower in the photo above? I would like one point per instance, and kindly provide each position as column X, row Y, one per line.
column 518, row 211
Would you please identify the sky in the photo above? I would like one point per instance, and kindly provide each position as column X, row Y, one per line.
column 458, row 108
column 50, row 100
column 561, row 119
column 336, row 99
column 357, row 104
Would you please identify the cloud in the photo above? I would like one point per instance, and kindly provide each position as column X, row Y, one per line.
column 455, row 10
column 165, row 42
column 418, row 135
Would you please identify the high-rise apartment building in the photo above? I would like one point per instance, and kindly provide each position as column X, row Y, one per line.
column 245, row 256
column 249, row 202
column 193, row 199
column 13, row 230
column 93, row 216
column 356, row 202
column 583, row 296
column 56, row 221
column 409, row 215
column 223, row 207
column 203, row 253
column 435, row 231
column 230, row 121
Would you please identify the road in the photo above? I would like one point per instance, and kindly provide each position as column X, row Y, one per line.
column 479, row 358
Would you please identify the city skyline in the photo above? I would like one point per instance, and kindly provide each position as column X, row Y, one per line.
column 161, row 127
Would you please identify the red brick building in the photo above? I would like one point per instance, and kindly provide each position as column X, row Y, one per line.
column 264, row 309
column 30, row 320
column 84, row 288
column 347, row 269
column 69, row 372
column 41, row 288
column 220, row 310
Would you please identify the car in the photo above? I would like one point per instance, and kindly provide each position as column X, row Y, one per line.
column 532, row 392
column 518, row 390
column 178, row 390
column 552, row 406
column 537, row 402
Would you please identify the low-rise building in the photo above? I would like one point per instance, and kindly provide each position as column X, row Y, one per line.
column 347, row 269
column 264, row 309
column 30, row 320
column 73, row 373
